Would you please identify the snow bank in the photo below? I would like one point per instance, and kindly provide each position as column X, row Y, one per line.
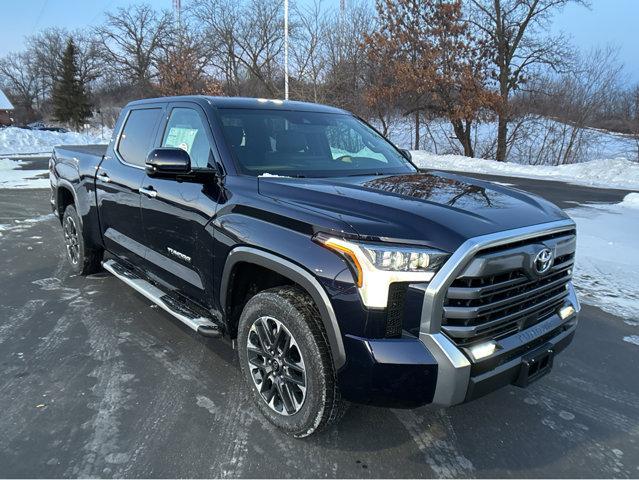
column 609, row 173
column 607, row 264
column 12, row 176
column 15, row 140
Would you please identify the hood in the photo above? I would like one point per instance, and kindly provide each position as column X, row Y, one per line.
column 438, row 209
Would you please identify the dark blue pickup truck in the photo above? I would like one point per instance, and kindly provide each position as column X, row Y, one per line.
column 337, row 269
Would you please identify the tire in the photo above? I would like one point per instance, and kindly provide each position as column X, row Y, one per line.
column 83, row 258
column 291, row 311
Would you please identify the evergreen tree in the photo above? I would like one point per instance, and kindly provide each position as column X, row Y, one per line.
column 70, row 101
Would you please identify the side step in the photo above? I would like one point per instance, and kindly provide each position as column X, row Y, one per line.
column 202, row 324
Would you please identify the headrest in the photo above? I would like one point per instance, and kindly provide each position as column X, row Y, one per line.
column 234, row 134
column 290, row 141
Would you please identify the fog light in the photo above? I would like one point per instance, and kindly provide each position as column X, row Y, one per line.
column 566, row 311
column 483, row 350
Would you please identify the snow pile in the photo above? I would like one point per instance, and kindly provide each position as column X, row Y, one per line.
column 15, row 140
column 607, row 264
column 609, row 173
column 12, row 175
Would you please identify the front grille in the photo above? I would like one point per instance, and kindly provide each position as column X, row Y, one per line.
column 497, row 294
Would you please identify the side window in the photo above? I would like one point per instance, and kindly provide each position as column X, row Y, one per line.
column 137, row 135
column 185, row 130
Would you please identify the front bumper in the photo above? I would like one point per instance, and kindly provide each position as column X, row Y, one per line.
column 409, row 372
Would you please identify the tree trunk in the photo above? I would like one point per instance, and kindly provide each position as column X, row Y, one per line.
column 462, row 132
column 417, row 134
column 502, row 138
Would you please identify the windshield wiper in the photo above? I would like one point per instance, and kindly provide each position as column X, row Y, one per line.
column 373, row 174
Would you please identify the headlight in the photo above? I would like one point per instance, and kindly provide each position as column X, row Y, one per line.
column 376, row 265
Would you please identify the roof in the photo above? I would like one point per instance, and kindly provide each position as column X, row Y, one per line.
column 5, row 104
column 246, row 102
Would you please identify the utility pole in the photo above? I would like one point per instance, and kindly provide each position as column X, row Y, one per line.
column 285, row 49
column 177, row 7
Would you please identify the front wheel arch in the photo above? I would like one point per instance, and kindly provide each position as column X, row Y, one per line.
column 297, row 275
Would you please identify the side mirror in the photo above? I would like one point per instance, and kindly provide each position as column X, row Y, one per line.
column 167, row 161
column 406, row 153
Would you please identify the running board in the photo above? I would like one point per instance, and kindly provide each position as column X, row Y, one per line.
column 171, row 303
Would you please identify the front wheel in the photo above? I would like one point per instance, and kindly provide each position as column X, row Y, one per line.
column 285, row 358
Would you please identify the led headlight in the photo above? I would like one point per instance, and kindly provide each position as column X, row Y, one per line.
column 376, row 265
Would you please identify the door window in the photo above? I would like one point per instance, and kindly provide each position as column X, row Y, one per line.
column 186, row 130
column 137, row 135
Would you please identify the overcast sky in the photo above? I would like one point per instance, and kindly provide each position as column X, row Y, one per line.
column 606, row 22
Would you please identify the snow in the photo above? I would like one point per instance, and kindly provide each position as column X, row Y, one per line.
column 607, row 264
column 539, row 140
column 605, row 173
column 12, row 175
column 632, row 339
column 14, row 140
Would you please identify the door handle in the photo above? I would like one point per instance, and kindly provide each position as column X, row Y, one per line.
column 149, row 192
column 103, row 177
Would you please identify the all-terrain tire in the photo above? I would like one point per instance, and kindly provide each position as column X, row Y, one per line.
column 295, row 309
column 83, row 258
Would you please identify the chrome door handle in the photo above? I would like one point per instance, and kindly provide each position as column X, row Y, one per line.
column 149, row 192
column 103, row 177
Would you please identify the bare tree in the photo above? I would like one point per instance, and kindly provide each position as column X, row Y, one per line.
column 307, row 52
column 260, row 42
column 19, row 73
column 219, row 20
column 246, row 39
column 514, row 29
column 344, row 31
column 131, row 43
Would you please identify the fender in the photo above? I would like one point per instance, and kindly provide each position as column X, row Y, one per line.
column 67, row 185
column 300, row 276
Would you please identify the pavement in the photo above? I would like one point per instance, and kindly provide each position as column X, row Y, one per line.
column 95, row 381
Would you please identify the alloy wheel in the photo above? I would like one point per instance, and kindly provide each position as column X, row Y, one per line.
column 276, row 365
column 71, row 239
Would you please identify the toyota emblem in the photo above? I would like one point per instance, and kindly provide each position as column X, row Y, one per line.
column 543, row 261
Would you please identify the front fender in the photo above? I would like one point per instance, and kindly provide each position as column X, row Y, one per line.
column 300, row 276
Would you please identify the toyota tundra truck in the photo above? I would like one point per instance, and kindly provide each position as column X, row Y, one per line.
column 338, row 270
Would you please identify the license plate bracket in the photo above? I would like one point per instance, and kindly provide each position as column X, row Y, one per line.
column 535, row 365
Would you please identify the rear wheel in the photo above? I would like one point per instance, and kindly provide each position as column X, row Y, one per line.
column 285, row 358
column 83, row 258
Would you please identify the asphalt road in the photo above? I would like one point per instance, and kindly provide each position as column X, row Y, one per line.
column 97, row 382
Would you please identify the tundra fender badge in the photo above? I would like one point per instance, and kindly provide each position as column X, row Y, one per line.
column 179, row 255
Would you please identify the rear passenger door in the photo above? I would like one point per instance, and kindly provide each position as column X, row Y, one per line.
column 118, row 181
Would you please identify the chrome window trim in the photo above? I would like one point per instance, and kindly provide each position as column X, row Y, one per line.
column 453, row 373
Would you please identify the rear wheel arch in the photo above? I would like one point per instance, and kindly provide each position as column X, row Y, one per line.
column 65, row 196
column 290, row 274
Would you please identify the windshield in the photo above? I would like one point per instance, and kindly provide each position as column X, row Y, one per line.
column 307, row 144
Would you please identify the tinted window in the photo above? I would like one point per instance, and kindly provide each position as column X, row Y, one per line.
column 314, row 144
column 185, row 130
column 137, row 137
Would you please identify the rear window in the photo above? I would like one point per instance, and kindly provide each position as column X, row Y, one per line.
column 137, row 135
